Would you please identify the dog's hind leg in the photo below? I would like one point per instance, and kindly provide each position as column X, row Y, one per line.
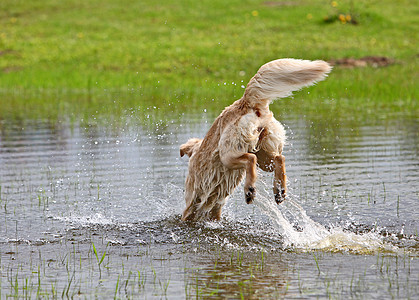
column 274, row 163
column 249, row 184
column 245, row 161
column 270, row 158
column 280, row 178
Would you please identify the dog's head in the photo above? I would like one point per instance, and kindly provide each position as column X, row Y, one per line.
column 190, row 146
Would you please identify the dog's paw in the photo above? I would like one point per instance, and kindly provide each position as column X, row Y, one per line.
column 249, row 194
column 280, row 195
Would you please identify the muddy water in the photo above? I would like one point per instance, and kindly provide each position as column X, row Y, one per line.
column 92, row 209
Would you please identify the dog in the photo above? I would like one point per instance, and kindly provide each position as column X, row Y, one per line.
column 243, row 137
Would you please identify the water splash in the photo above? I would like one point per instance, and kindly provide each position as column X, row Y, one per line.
column 86, row 220
column 300, row 232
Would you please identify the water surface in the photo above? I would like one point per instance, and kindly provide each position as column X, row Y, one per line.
column 91, row 208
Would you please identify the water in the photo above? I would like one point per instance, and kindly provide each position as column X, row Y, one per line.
column 348, row 230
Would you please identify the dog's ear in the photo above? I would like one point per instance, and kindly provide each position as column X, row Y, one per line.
column 184, row 149
column 189, row 147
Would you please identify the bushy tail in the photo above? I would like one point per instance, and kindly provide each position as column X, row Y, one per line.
column 279, row 78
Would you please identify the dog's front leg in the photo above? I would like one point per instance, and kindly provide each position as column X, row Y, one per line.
column 245, row 161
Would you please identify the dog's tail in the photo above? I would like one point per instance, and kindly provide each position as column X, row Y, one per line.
column 190, row 146
column 279, row 78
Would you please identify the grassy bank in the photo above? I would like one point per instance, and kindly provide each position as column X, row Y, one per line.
column 73, row 55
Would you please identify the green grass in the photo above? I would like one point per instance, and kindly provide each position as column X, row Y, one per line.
column 61, row 56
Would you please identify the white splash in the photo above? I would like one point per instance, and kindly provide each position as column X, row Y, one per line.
column 311, row 235
column 87, row 220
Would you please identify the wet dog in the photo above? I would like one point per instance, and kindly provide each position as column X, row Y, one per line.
column 243, row 137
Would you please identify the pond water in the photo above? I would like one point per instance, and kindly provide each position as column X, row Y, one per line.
column 92, row 209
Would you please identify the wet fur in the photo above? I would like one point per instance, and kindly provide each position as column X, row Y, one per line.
column 243, row 137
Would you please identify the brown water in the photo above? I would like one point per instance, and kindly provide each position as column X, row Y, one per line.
column 348, row 230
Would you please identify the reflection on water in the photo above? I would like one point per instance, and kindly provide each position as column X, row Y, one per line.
column 66, row 185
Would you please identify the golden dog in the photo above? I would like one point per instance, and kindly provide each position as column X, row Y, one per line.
column 245, row 135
